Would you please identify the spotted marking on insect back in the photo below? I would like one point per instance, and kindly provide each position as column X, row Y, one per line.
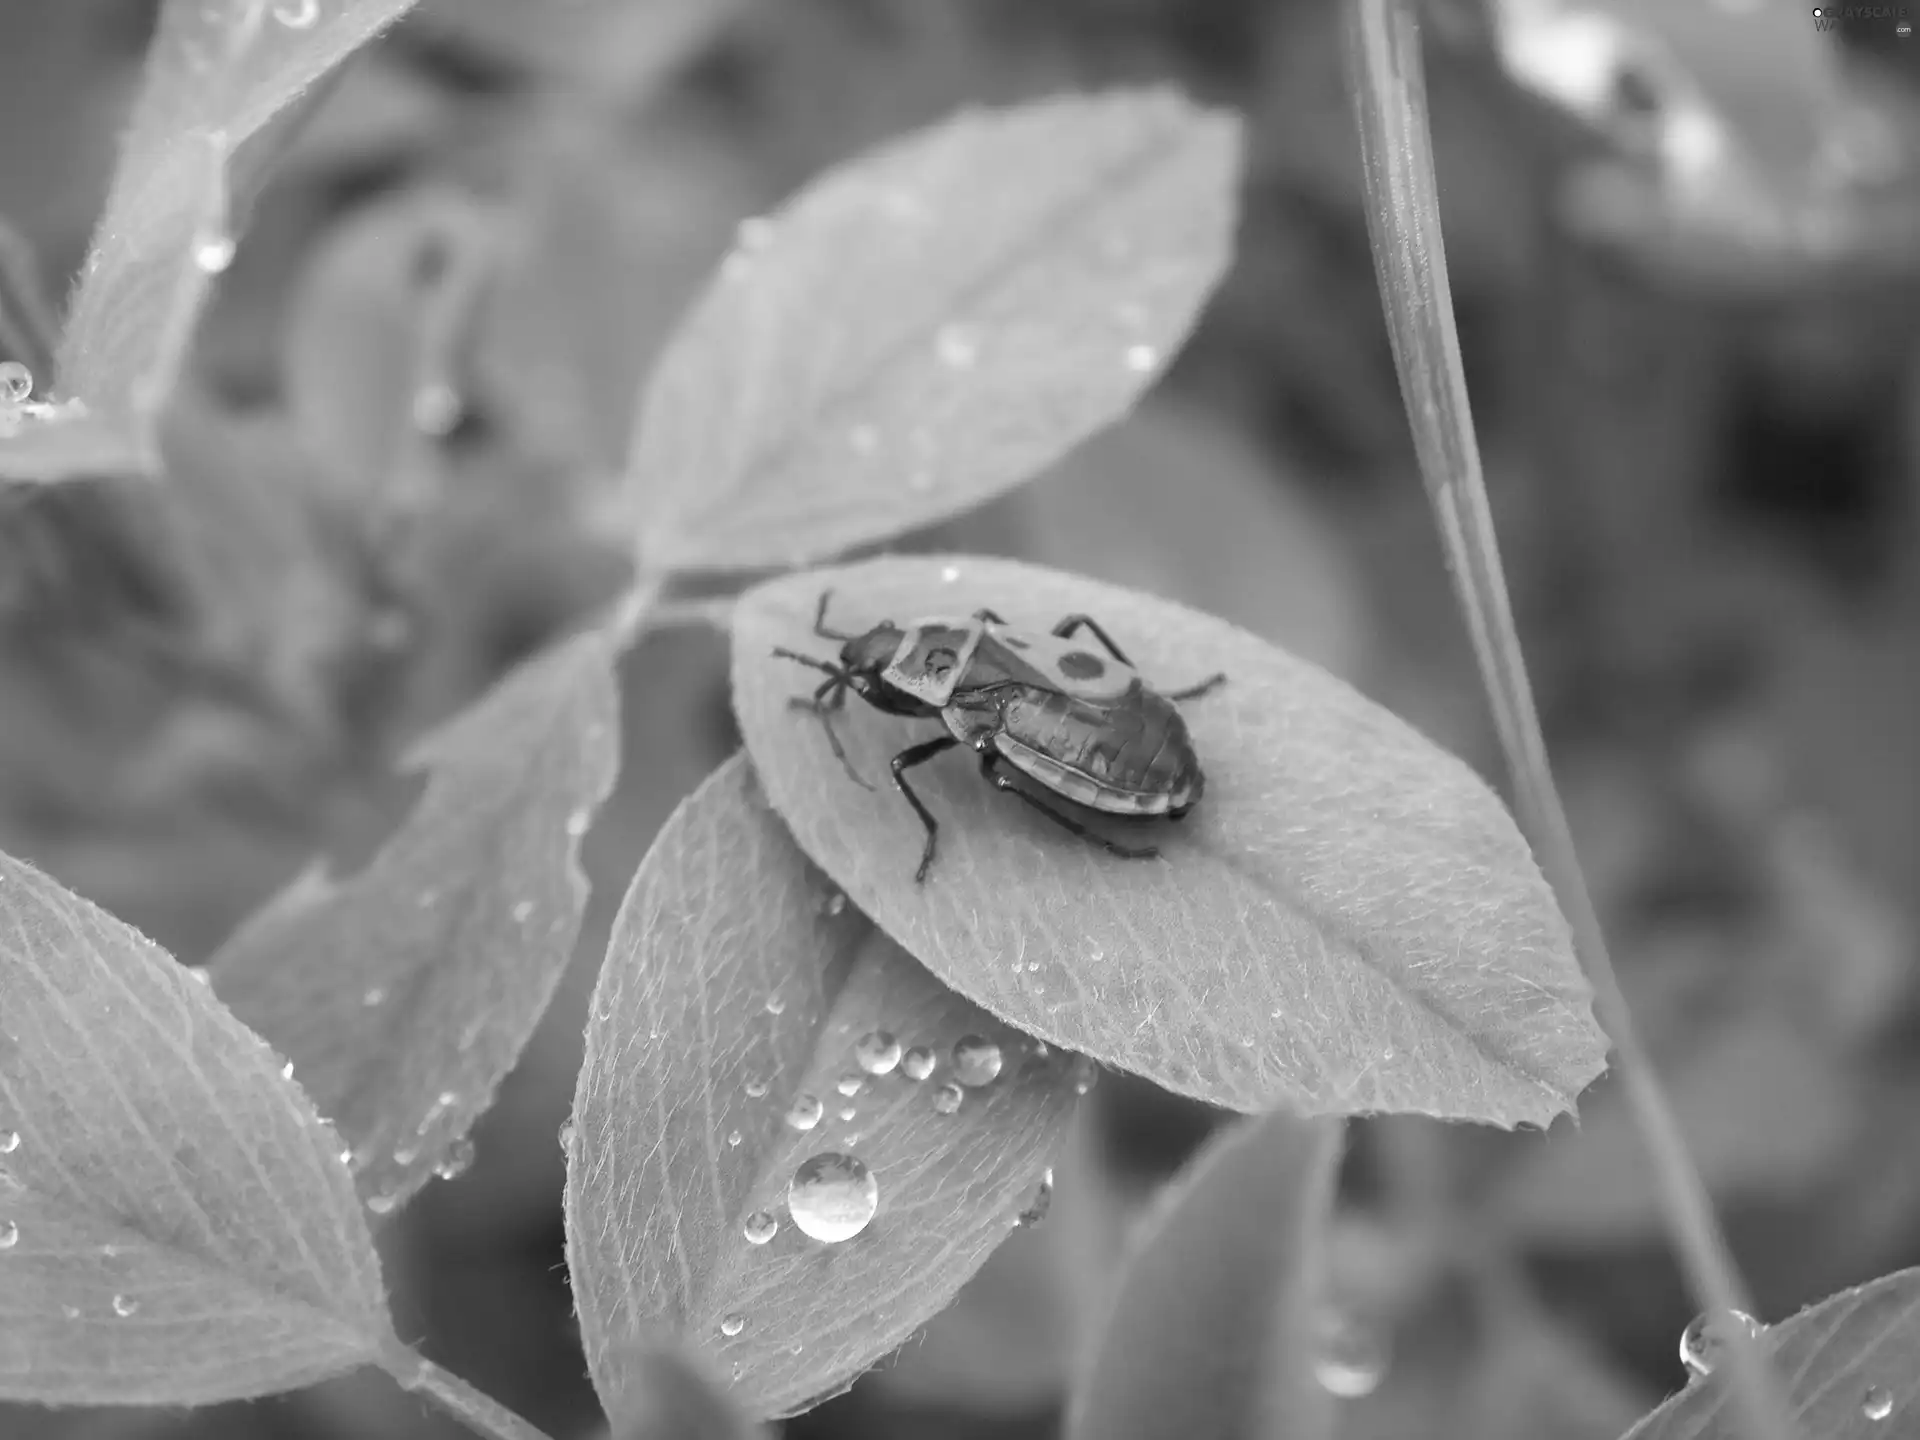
column 1079, row 665
column 941, row 660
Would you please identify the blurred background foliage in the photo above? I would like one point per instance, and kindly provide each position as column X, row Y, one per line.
column 390, row 477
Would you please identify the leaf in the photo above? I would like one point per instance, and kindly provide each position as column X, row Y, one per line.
column 724, row 920
column 1213, row 1323
column 1840, row 1360
column 405, row 994
column 931, row 325
column 176, row 1226
column 216, row 74
column 678, row 1399
column 1348, row 922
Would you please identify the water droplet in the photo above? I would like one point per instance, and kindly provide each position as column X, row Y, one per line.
column 833, row 903
column 436, row 409
column 733, row 1324
column 9, row 1141
column 733, row 1139
column 405, row 1154
column 9, row 1234
column 756, row 1089
column 849, row 1084
column 949, row 574
column 976, row 1061
column 457, row 1161
column 201, row 976
column 286, row 1071
column 958, row 347
column 1042, row 1200
column 125, row 1305
column 16, row 382
column 1084, row 1072
column 864, row 439
column 917, row 1063
column 760, row 1227
column 805, row 1112
column 297, row 14
column 947, row 1098
column 832, row 1197
column 847, row 1112
column 1042, row 1050
column 1141, row 358
column 1350, row 1359
column 374, row 995
column 1877, row 1403
column 877, row 1052
column 566, row 1135
column 346, row 1157
column 382, row 1204
column 579, row 822
column 1706, row 1338
column 213, row 251
column 522, row 910
column 776, row 1005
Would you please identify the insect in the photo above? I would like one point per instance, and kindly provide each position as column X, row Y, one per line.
column 1084, row 727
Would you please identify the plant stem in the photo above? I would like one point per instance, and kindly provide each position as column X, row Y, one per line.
column 1404, row 222
column 479, row 1413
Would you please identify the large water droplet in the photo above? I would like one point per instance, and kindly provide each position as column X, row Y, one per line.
column 213, row 251
column 805, row 1112
column 760, row 1227
column 9, row 1141
column 849, row 1084
column 917, row 1063
column 1042, row 1201
column 958, row 347
column 1349, row 1358
column 9, row 1234
column 125, row 1305
column 1706, row 1338
column 947, row 1098
column 16, row 382
column 832, row 1197
column 756, row 1089
column 876, row 1052
column 976, row 1061
column 1877, row 1403
column 457, row 1161
column 733, row 1324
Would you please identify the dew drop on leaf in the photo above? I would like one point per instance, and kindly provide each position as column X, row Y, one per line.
column 849, row 1084
column 1877, row 1403
column 1141, row 358
column 522, row 911
column 1349, row 1358
column 457, row 1161
column 579, row 822
column 947, row 1098
column 847, row 1112
column 1705, row 1339
column 832, row 1197
column 805, row 1112
column 877, row 1052
column 760, row 1227
column 833, row 902
column 436, row 409
column 213, row 251
column 374, row 995
column 733, row 1139
column 9, row 1141
column 776, row 1004
column 286, row 1071
column 1042, row 1201
column 125, row 1305
column 297, row 14
column 917, row 1063
column 404, row 1155
column 16, row 381
column 733, row 1324
column 382, row 1204
column 976, row 1061
column 9, row 1234
column 756, row 1089
column 566, row 1135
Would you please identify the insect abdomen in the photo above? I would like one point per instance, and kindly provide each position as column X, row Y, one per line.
column 1134, row 758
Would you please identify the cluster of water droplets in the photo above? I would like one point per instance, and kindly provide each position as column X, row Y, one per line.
column 9, row 1229
column 1708, row 1338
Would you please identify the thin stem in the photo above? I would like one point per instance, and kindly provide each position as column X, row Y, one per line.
column 1404, row 222
column 479, row 1413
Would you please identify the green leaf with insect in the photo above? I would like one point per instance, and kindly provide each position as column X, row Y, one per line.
column 1850, row 1365
column 931, row 325
column 1348, row 921
column 404, row 994
column 740, row 1002
column 176, row 1224
column 216, row 75
column 1212, row 1327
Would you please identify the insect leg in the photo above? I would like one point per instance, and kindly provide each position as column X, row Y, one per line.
column 831, row 696
column 919, row 755
column 820, row 620
column 1194, row 692
column 1072, row 623
column 1066, row 822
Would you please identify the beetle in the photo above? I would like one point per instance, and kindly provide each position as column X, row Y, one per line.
column 1085, row 728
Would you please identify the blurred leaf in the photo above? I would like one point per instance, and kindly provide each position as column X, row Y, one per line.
column 216, row 74
column 1212, row 1329
column 677, row 1399
column 404, row 994
column 609, row 52
column 1839, row 1360
column 930, row 325
column 176, row 1225
column 1765, row 1114
column 725, row 925
column 1348, row 922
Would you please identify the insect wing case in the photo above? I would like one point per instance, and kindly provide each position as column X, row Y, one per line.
column 933, row 659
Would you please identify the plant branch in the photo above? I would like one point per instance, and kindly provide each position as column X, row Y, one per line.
column 479, row 1413
column 1403, row 220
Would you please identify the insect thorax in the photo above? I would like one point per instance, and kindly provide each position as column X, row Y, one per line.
column 933, row 659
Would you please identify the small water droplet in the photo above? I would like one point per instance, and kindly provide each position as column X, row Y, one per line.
column 1141, row 358
column 976, row 1061
column 579, row 822
column 1042, row 1201
column 877, row 1052
column 286, row 1071
column 9, row 1141
column 947, row 1098
column 374, row 995
column 864, row 439
column 9, row 1234
column 1084, row 1073
column 917, row 1063
column 756, row 1089
column 849, row 1084
column 1042, row 1050
column 760, row 1227
column 1706, row 1338
column 16, row 382
column 958, row 347
column 733, row 1139
column 776, row 1004
column 1877, row 1403
column 297, row 14
column 733, row 1324
column 949, row 574
column 457, row 1161
column 382, row 1204
column 346, row 1157
column 1350, row 1359
column 522, row 911
column 213, row 251
column 805, row 1112
column 847, row 1112
column 125, row 1305
column 566, row 1135
column 832, row 1197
